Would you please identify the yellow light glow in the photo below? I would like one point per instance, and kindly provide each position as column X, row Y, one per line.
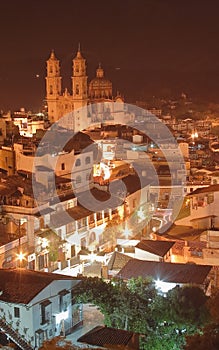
column 121, row 212
column 44, row 242
column 20, row 256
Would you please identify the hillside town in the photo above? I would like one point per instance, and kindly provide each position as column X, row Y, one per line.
column 92, row 186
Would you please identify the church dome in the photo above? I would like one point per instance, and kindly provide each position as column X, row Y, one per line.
column 100, row 87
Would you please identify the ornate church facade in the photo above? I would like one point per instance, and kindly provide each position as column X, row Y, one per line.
column 80, row 104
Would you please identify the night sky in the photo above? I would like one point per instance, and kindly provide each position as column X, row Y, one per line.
column 161, row 47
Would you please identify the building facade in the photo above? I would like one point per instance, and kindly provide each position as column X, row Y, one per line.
column 73, row 106
column 30, row 315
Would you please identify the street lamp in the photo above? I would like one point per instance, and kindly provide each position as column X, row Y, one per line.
column 20, row 258
column 5, row 219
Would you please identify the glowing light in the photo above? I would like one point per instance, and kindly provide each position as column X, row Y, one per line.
column 20, row 256
column 121, row 212
column 194, row 135
column 44, row 243
column 92, row 257
column 61, row 316
column 164, row 287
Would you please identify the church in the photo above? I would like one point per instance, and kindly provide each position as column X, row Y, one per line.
column 81, row 103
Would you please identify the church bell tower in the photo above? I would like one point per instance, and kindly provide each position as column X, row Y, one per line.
column 53, row 86
column 79, row 91
column 79, row 80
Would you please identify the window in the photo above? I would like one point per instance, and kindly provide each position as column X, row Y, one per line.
column 41, row 262
column 72, row 251
column 78, row 179
column 63, row 305
column 210, row 198
column 63, row 166
column 87, row 160
column 16, row 312
column 78, row 162
column 45, row 315
column 70, row 204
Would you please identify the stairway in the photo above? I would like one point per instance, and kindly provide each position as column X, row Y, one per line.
column 14, row 336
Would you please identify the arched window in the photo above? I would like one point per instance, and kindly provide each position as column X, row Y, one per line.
column 78, row 162
column 87, row 160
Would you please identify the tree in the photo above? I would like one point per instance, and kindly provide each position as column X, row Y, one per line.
column 165, row 321
column 213, row 306
column 182, row 312
column 187, row 307
column 124, row 306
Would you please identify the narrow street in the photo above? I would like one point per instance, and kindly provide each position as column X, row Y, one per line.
column 92, row 318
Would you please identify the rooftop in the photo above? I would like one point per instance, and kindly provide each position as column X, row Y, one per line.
column 103, row 336
column 159, row 248
column 166, row 272
column 211, row 188
column 21, row 285
column 118, row 261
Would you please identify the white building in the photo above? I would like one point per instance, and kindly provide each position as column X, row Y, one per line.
column 35, row 306
column 200, row 209
column 78, row 167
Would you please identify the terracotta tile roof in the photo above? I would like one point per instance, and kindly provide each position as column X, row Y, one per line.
column 59, row 219
column 168, row 272
column 21, row 286
column 134, row 183
column 212, row 188
column 44, row 211
column 159, row 248
column 96, row 200
column 103, row 336
column 118, row 261
column 61, row 198
column 180, row 231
